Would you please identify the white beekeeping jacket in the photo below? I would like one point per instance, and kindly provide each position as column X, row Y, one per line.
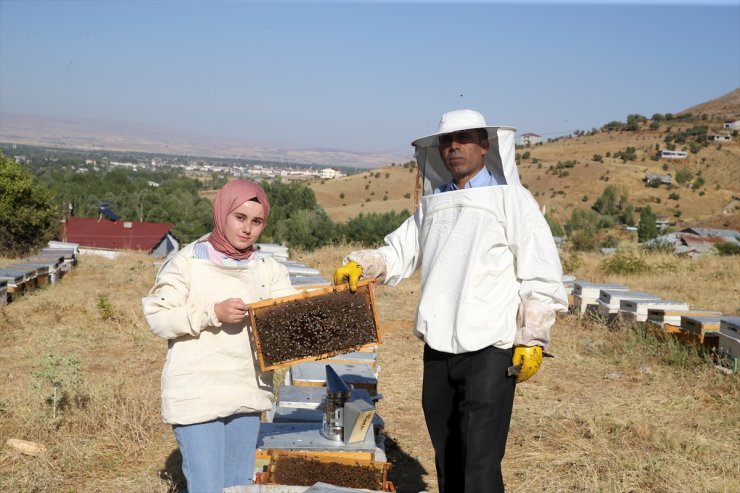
column 486, row 255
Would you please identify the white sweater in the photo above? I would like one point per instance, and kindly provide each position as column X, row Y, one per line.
column 211, row 370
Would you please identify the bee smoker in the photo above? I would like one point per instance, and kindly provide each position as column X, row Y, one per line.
column 337, row 394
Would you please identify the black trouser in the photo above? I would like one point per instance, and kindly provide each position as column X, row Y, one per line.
column 467, row 400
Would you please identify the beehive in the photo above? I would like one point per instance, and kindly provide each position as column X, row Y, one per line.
column 586, row 293
column 305, row 469
column 314, row 325
column 636, row 310
column 696, row 329
column 729, row 342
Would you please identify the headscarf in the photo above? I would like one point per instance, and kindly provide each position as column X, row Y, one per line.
column 231, row 196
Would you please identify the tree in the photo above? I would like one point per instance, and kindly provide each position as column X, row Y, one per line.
column 28, row 216
column 613, row 202
column 582, row 220
column 555, row 228
column 648, row 229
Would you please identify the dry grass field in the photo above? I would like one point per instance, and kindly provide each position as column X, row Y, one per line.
column 718, row 164
column 615, row 411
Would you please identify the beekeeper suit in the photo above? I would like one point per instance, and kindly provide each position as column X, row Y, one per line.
column 491, row 284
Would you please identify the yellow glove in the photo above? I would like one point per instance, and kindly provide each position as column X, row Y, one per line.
column 349, row 272
column 530, row 357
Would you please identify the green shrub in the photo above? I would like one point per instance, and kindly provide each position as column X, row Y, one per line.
column 683, row 175
column 727, row 248
column 624, row 262
column 57, row 379
column 555, row 228
column 105, row 308
column 583, row 241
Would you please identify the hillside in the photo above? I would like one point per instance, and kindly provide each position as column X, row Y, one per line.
column 390, row 188
column 562, row 190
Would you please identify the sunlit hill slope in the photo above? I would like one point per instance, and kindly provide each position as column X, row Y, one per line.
column 572, row 172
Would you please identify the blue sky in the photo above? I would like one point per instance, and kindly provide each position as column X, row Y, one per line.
column 362, row 76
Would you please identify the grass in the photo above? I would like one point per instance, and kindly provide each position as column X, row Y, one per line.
column 616, row 410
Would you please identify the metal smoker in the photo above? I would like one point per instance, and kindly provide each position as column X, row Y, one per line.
column 345, row 420
column 337, row 394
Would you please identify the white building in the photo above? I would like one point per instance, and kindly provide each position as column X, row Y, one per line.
column 328, row 174
column 733, row 125
column 531, row 139
column 667, row 154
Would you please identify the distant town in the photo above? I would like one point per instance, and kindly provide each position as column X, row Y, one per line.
column 199, row 167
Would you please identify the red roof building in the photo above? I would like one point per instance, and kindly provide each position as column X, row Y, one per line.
column 104, row 234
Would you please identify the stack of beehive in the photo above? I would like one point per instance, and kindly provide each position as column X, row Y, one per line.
column 37, row 271
column 711, row 330
column 300, row 336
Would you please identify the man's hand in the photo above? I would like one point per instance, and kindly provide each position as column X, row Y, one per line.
column 530, row 357
column 349, row 272
column 231, row 311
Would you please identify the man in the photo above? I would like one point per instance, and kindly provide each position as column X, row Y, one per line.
column 491, row 284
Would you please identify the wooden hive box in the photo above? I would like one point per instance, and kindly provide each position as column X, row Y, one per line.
column 694, row 329
column 42, row 271
column 729, row 342
column 305, row 469
column 17, row 281
column 314, row 325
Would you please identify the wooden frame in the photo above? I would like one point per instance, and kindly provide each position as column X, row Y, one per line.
column 259, row 312
column 381, row 468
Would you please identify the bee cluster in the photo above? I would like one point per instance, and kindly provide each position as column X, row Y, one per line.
column 305, row 471
column 322, row 325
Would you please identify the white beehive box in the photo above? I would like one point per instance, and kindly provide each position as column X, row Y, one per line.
column 586, row 289
column 637, row 310
column 586, row 293
column 609, row 301
column 672, row 316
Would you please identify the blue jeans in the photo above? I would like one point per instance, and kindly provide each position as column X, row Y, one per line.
column 219, row 453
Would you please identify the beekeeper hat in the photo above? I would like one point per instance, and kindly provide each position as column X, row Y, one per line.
column 499, row 159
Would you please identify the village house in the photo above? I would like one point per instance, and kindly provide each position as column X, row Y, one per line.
column 719, row 138
column 658, row 179
column 732, row 124
column 109, row 237
column 531, row 139
column 695, row 241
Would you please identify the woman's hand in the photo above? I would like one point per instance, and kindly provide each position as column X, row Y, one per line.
column 231, row 311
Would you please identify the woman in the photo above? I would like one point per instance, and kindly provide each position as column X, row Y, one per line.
column 212, row 390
